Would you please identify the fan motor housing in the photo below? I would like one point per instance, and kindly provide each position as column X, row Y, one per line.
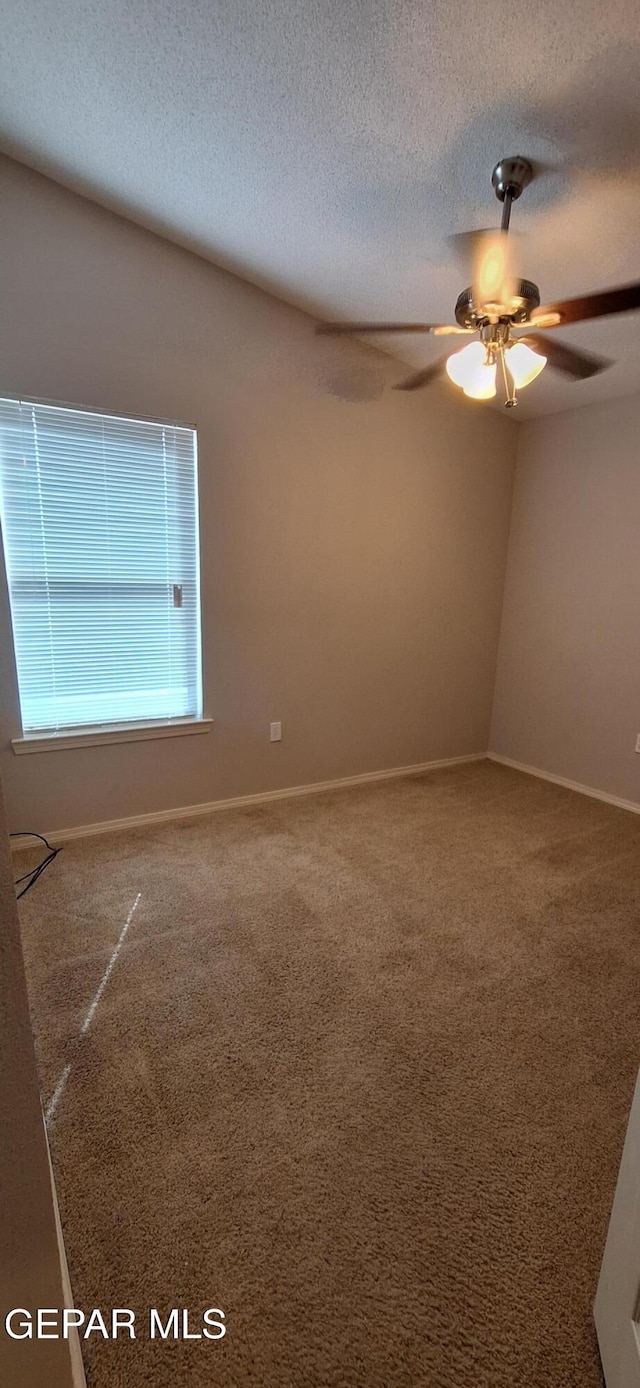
column 527, row 297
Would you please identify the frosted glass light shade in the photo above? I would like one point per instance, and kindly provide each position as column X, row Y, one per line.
column 524, row 364
column 483, row 385
column 469, row 370
column 461, row 365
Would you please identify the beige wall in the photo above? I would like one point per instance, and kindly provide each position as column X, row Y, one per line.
column 568, row 683
column 352, row 554
column 30, row 1271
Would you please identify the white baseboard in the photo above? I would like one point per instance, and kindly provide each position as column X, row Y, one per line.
column 238, row 802
column 616, row 800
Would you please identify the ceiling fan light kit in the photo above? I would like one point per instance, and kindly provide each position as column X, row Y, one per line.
column 497, row 306
column 474, row 366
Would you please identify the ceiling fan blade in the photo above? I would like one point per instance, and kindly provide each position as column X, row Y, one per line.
column 466, row 244
column 600, row 305
column 337, row 329
column 579, row 365
column 493, row 282
column 421, row 378
column 448, row 329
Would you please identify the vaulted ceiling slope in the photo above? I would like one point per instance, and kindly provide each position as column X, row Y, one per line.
column 327, row 150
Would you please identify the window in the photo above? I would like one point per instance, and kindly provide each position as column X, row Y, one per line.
column 99, row 521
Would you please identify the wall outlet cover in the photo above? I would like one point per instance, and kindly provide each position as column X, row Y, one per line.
column 276, row 732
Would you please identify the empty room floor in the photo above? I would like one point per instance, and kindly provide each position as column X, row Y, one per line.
column 355, row 1068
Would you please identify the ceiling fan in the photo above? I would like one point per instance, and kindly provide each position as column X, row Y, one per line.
column 495, row 309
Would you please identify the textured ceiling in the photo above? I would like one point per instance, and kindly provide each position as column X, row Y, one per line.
column 326, row 150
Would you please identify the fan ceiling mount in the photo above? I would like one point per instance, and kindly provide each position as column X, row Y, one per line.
column 497, row 306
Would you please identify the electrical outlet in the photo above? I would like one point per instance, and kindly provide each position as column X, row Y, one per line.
column 276, row 732
column 638, row 743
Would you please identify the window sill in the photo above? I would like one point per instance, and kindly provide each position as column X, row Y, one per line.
column 96, row 737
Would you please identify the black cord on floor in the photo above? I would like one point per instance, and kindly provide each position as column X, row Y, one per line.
column 40, row 867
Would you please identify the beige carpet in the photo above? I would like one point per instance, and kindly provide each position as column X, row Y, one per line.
column 359, row 1075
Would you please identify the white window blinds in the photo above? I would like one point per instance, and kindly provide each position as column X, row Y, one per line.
column 99, row 521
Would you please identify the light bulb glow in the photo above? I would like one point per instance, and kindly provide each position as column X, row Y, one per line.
column 469, row 370
column 483, row 385
column 523, row 364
